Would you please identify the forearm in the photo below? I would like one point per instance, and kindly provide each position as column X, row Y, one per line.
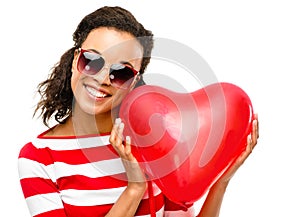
column 129, row 201
column 213, row 202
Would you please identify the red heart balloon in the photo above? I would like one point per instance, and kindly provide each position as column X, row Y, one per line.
column 185, row 141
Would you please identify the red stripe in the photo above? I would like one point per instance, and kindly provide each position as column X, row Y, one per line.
column 53, row 213
column 86, row 155
column 80, row 182
column 34, row 186
column 86, row 211
column 47, row 156
column 41, row 155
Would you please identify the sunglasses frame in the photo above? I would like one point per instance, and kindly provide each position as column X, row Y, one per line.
column 135, row 72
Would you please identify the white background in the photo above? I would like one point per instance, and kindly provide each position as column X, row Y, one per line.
column 254, row 44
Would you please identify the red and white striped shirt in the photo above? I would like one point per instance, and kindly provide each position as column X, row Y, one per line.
column 80, row 177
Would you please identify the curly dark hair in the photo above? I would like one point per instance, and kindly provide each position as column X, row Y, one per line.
column 56, row 93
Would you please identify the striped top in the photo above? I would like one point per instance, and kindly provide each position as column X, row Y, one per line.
column 80, row 177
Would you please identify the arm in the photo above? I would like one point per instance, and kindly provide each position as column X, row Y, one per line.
column 212, row 204
column 130, row 199
column 39, row 190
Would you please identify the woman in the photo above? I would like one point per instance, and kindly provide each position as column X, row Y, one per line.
column 80, row 166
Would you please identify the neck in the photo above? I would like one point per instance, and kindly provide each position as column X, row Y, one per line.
column 83, row 123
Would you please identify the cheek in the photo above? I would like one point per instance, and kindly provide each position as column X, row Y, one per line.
column 75, row 81
column 119, row 95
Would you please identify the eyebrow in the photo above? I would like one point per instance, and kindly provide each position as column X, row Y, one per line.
column 94, row 51
column 123, row 62
column 127, row 63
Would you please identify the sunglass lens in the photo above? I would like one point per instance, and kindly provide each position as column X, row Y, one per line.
column 121, row 75
column 90, row 63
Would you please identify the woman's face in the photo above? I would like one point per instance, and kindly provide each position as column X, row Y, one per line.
column 94, row 94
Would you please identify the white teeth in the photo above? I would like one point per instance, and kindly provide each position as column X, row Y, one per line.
column 95, row 92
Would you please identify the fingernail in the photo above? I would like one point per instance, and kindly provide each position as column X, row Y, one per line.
column 128, row 139
column 254, row 121
column 249, row 138
column 121, row 125
column 118, row 121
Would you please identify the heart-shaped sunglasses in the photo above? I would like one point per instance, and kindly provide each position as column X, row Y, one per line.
column 90, row 63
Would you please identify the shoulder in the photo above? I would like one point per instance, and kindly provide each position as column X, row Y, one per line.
column 27, row 149
column 36, row 149
column 31, row 152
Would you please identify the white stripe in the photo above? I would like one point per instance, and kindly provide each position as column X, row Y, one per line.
column 30, row 169
column 43, row 202
column 91, row 197
column 92, row 170
column 160, row 213
column 71, row 143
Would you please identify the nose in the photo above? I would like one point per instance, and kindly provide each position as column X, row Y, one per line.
column 103, row 76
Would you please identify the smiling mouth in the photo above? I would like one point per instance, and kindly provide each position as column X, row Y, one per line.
column 96, row 93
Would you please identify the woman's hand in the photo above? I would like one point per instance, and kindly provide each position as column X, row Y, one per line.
column 134, row 173
column 213, row 201
column 129, row 200
column 251, row 143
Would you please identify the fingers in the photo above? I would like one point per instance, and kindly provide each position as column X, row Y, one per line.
column 132, row 168
column 116, row 136
column 251, row 140
column 255, row 133
column 128, row 148
column 250, row 145
column 117, row 129
column 257, row 125
column 116, row 140
column 247, row 152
